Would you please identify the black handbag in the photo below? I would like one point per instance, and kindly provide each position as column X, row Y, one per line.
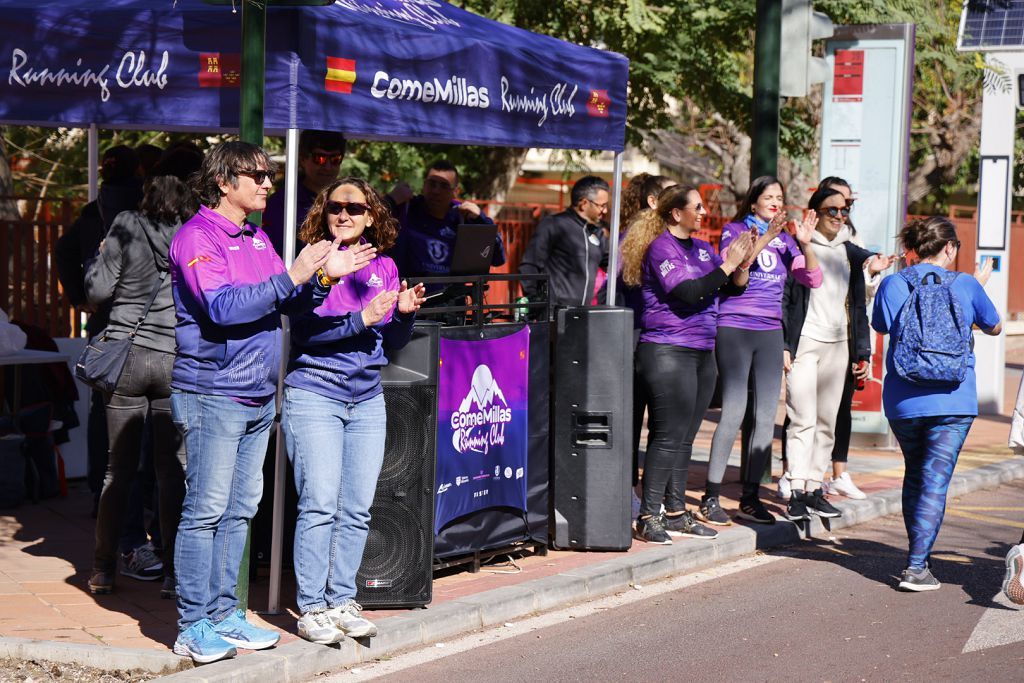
column 102, row 362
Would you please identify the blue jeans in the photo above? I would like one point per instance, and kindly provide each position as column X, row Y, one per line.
column 225, row 443
column 336, row 450
column 930, row 447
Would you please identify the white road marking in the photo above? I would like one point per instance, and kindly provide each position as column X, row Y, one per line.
column 1001, row 625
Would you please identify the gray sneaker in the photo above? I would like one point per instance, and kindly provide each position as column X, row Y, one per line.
column 317, row 627
column 347, row 616
column 918, row 580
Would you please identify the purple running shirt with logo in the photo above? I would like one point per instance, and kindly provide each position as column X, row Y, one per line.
column 760, row 306
column 665, row 319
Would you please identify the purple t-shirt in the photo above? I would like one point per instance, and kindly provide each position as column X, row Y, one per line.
column 759, row 307
column 665, row 319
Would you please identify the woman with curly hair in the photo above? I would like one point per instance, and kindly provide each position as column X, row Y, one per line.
column 333, row 416
column 679, row 278
column 641, row 193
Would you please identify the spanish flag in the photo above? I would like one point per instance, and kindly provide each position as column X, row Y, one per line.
column 341, row 74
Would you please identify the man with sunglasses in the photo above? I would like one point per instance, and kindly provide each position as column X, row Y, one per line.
column 570, row 246
column 320, row 156
column 426, row 241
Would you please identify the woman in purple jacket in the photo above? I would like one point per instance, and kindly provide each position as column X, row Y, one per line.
column 679, row 278
column 749, row 342
column 334, row 415
column 230, row 288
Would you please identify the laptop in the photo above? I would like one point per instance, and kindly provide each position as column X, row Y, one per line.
column 474, row 249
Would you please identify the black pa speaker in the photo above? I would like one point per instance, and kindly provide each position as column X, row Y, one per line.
column 592, row 424
column 396, row 570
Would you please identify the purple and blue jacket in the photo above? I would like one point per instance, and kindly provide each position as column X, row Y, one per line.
column 230, row 288
column 333, row 353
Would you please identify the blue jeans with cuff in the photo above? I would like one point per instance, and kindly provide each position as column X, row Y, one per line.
column 336, row 449
column 225, row 443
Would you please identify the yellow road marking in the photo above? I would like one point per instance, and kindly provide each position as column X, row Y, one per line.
column 952, row 558
column 999, row 521
column 982, row 508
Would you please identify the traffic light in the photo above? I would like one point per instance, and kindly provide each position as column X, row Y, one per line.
column 798, row 68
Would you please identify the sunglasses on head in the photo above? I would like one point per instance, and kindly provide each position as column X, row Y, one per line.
column 258, row 176
column 834, row 211
column 321, row 159
column 334, row 208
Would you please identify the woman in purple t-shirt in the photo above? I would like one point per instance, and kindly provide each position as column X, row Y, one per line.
column 679, row 279
column 749, row 342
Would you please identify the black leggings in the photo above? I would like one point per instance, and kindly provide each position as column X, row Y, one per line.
column 754, row 358
column 679, row 382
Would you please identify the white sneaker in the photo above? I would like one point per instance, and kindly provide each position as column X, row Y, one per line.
column 317, row 627
column 844, row 486
column 349, row 619
column 785, row 490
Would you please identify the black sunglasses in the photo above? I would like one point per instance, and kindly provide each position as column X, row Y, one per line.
column 258, row 177
column 334, row 208
column 834, row 211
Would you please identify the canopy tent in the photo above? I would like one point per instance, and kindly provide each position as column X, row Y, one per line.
column 403, row 70
column 414, row 70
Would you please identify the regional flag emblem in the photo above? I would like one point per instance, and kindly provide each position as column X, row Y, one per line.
column 220, row 69
column 341, row 74
column 599, row 103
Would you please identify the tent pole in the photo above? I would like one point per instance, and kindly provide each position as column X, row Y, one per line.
column 93, row 162
column 280, row 457
column 613, row 247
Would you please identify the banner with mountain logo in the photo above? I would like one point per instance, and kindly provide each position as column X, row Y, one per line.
column 482, row 425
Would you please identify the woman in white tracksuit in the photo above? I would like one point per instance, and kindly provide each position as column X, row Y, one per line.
column 822, row 340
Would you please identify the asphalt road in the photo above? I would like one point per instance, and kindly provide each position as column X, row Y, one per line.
column 822, row 610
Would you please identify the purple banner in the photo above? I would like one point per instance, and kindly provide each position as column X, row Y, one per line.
column 481, row 436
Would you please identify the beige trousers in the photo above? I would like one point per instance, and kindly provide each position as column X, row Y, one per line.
column 814, row 388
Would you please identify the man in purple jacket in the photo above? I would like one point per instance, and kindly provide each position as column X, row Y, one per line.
column 230, row 288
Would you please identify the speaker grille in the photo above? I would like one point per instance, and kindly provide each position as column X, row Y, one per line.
column 396, row 565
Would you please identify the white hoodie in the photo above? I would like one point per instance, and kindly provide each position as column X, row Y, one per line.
column 827, row 320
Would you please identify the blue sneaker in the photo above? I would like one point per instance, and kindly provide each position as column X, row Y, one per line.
column 200, row 642
column 240, row 633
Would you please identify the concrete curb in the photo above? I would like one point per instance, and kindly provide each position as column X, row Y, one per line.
column 98, row 656
column 300, row 660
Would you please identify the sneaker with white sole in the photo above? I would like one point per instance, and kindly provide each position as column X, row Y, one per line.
column 684, row 524
column 317, row 627
column 1012, row 587
column 753, row 510
column 817, row 504
column 843, row 486
column 348, row 617
column 143, row 564
column 240, row 633
column 200, row 642
column 918, row 580
column 785, row 490
column 652, row 530
column 711, row 512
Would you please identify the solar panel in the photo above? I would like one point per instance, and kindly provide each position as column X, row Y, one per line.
column 992, row 25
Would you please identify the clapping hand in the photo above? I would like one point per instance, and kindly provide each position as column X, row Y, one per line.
column 776, row 224
column 740, row 250
column 379, row 307
column 805, row 228
column 342, row 262
column 410, row 299
column 880, row 262
column 984, row 271
column 310, row 259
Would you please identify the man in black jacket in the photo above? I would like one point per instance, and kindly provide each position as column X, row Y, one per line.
column 570, row 246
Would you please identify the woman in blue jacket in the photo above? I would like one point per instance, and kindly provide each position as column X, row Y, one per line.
column 929, row 421
column 334, row 415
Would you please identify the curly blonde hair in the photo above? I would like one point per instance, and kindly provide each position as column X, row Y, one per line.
column 382, row 231
column 645, row 229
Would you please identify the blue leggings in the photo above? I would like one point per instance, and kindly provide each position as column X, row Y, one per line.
column 930, row 448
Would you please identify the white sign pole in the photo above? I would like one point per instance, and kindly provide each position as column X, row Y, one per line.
column 995, row 190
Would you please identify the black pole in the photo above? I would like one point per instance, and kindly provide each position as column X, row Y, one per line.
column 764, row 156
